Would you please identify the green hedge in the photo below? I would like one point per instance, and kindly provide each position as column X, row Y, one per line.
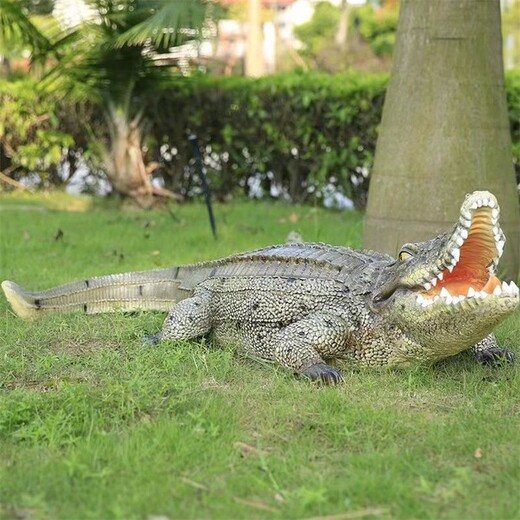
column 295, row 133
column 513, row 103
column 31, row 140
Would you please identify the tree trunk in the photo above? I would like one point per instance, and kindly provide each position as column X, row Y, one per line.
column 254, row 48
column 342, row 31
column 124, row 161
column 444, row 131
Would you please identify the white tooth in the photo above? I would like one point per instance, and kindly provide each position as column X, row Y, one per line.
column 463, row 233
column 515, row 289
column 444, row 292
column 500, row 247
column 497, row 291
column 491, row 203
column 471, row 292
column 450, row 268
column 459, row 241
column 425, row 303
column 481, row 294
column 474, row 205
column 505, row 287
column 420, row 299
column 456, row 254
column 434, row 282
column 440, row 276
column 427, row 286
column 449, row 300
column 494, row 213
column 436, row 298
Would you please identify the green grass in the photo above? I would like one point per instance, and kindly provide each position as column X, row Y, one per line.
column 93, row 425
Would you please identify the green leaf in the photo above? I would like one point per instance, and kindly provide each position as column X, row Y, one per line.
column 168, row 25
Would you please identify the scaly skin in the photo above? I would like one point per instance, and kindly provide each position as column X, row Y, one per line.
column 302, row 304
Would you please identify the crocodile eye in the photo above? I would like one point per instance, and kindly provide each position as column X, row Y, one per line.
column 404, row 255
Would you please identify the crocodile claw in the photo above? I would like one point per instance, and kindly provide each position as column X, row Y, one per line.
column 151, row 340
column 495, row 356
column 324, row 374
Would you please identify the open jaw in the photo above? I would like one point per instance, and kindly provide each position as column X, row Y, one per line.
column 465, row 271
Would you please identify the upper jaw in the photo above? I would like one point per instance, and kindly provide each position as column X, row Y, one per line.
column 465, row 268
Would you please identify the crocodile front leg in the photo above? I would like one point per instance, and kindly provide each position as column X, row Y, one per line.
column 190, row 318
column 488, row 352
column 301, row 345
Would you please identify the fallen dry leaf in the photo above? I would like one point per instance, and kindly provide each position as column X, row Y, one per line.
column 279, row 499
column 194, row 484
column 247, row 449
column 352, row 515
column 256, row 504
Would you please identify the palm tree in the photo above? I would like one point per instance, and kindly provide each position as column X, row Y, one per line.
column 111, row 59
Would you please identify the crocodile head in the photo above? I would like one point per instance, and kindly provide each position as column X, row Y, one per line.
column 444, row 293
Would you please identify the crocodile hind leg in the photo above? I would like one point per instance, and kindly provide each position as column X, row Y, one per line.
column 190, row 318
column 301, row 346
column 488, row 352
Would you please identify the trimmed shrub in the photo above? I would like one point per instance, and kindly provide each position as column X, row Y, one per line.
column 292, row 136
column 294, row 132
column 513, row 103
column 31, row 142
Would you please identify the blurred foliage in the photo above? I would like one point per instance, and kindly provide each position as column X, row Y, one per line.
column 370, row 41
column 292, row 134
column 319, row 32
column 378, row 27
column 295, row 132
column 41, row 7
column 511, row 32
column 18, row 31
column 31, row 139
column 112, row 56
column 513, row 103
column 116, row 58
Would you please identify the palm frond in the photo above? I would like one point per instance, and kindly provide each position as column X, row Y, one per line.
column 168, row 25
column 16, row 26
column 112, row 57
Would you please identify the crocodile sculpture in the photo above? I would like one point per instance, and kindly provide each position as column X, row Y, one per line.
column 303, row 304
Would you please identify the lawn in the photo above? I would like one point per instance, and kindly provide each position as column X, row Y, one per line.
column 94, row 425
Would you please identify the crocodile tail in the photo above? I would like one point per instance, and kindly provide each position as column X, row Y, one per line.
column 148, row 290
